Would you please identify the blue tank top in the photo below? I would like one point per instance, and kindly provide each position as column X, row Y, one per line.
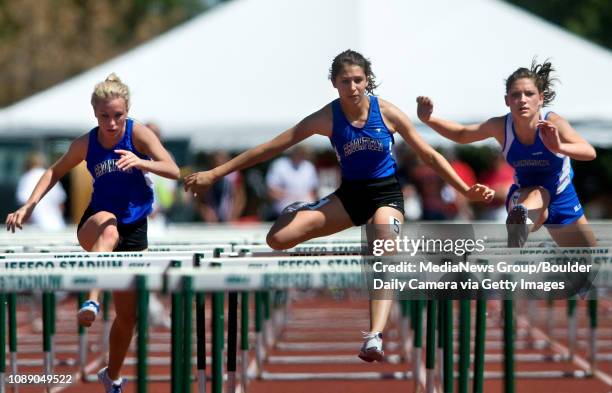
column 535, row 165
column 363, row 153
column 126, row 194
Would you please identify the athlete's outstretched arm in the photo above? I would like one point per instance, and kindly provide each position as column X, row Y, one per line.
column 146, row 142
column 317, row 123
column 561, row 138
column 456, row 132
column 402, row 124
column 75, row 154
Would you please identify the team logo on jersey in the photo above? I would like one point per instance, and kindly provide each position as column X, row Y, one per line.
column 530, row 163
column 537, row 153
column 108, row 166
column 363, row 143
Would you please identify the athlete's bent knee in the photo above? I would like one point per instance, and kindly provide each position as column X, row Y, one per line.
column 275, row 242
column 542, row 193
column 109, row 235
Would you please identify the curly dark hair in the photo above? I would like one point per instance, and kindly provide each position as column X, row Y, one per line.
column 540, row 75
column 351, row 57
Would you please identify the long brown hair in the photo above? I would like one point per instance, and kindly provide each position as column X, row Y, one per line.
column 540, row 74
column 350, row 57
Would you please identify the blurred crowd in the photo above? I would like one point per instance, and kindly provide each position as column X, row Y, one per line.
column 261, row 193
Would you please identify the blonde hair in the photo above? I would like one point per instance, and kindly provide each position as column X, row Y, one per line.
column 112, row 87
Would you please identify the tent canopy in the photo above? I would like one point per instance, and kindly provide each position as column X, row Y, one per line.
column 245, row 71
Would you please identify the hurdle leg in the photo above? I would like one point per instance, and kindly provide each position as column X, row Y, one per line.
column 53, row 303
column 47, row 333
column 464, row 345
column 550, row 321
column 268, row 335
column 259, row 344
column 404, row 329
column 508, row 346
column 201, row 341
column 187, row 324
column 244, row 340
column 531, row 318
column 430, row 359
column 592, row 309
column 82, row 339
column 106, row 327
column 217, row 340
column 479, row 345
column 440, row 327
column 286, row 307
column 573, row 328
column 12, row 307
column 417, row 321
column 2, row 341
column 176, row 333
column 142, row 305
column 448, row 347
column 232, row 336
column 279, row 317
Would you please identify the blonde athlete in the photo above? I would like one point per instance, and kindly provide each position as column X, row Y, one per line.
column 119, row 152
column 361, row 128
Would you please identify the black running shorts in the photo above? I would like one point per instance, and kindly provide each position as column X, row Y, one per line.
column 361, row 198
column 132, row 236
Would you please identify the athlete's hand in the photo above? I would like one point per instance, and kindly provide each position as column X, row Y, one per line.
column 199, row 182
column 128, row 160
column 480, row 193
column 550, row 136
column 20, row 216
column 424, row 108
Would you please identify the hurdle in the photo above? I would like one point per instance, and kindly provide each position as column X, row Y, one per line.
column 229, row 262
column 47, row 280
column 247, row 263
column 65, row 261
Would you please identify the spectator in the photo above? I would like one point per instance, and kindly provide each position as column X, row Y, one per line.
column 164, row 191
column 226, row 199
column 407, row 161
column 291, row 179
column 459, row 206
column 500, row 178
column 49, row 215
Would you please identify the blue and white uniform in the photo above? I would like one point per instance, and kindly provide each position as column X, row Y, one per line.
column 126, row 194
column 368, row 168
column 363, row 153
column 535, row 165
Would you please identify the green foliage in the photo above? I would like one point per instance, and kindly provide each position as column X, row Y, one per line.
column 43, row 42
column 591, row 19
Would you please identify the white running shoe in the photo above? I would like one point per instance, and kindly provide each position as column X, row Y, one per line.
column 88, row 312
column 371, row 350
column 517, row 226
column 109, row 385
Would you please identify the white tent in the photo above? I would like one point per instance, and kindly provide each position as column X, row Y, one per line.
column 247, row 70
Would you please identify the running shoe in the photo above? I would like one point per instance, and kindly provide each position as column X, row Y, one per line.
column 88, row 312
column 371, row 350
column 109, row 385
column 516, row 225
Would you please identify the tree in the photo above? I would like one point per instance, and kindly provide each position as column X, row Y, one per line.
column 43, row 42
column 591, row 19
